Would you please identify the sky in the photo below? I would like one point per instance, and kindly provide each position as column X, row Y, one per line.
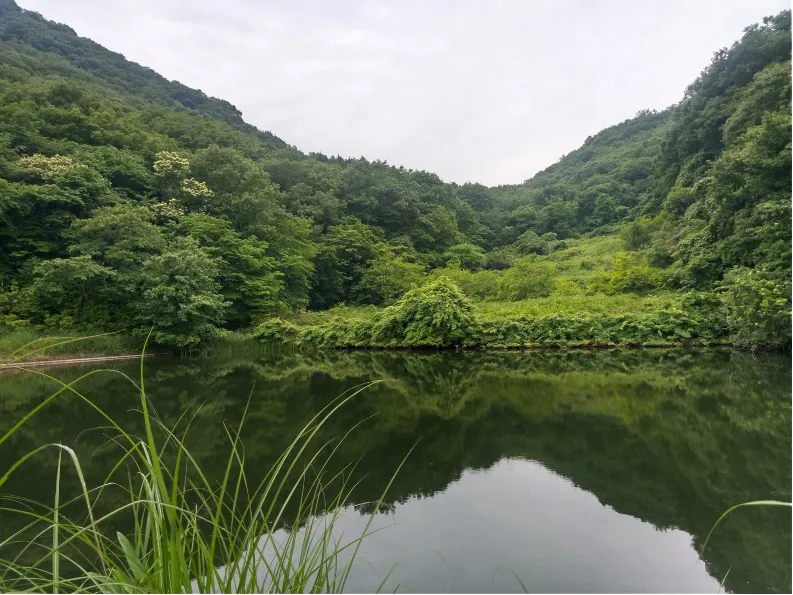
column 490, row 91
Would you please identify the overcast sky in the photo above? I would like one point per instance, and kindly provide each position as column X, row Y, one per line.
column 489, row 91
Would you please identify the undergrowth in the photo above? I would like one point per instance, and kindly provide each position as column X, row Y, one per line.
column 28, row 343
column 438, row 315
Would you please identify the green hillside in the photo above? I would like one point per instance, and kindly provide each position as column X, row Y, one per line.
column 128, row 202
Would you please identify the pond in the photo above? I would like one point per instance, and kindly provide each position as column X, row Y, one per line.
column 565, row 471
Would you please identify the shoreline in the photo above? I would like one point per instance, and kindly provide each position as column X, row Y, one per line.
column 18, row 365
column 537, row 347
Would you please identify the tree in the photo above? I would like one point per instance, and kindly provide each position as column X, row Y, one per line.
column 124, row 169
column 173, row 170
column 33, row 219
column 121, row 237
column 524, row 218
column 228, row 171
column 76, row 287
column 387, row 278
column 288, row 238
column 437, row 229
column 558, row 216
column 758, row 308
column 743, row 217
column 637, row 234
column 605, row 210
column 529, row 243
column 476, row 195
column 104, row 164
column 467, row 256
column 181, row 299
column 248, row 277
column 48, row 168
column 342, row 258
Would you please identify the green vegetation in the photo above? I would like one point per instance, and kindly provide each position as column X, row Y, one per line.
column 438, row 315
column 129, row 202
column 26, row 344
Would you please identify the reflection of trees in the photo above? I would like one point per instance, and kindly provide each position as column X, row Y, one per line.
column 673, row 438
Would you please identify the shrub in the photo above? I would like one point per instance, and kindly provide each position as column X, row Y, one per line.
column 632, row 274
column 670, row 326
column 637, row 234
column 434, row 315
column 500, row 258
column 479, row 285
column 566, row 287
column 276, row 330
column 758, row 308
column 12, row 321
column 529, row 277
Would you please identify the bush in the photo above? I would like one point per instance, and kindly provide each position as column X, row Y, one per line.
column 12, row 321
column 276, row 330
column 500, row 258
column 529, row 243
column 529, row 277
column 480, row 285
column 670, row 326
column 566, row 287
column 637, row 234
column 632, row 274
column 758, row 308
column 438, row 315
column 434, row 315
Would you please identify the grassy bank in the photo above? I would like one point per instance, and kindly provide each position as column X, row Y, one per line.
column 31, row 344
column 438, row 315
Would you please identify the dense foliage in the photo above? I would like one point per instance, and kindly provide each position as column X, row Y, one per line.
column 439, row 315
column 128, row 201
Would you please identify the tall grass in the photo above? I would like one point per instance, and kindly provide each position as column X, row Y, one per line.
column 28, row 343
column 736, row 507
column 191, row 532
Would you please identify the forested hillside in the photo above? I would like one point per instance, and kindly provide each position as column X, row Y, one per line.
column 128, row 202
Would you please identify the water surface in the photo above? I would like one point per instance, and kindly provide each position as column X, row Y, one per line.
column 570, row 471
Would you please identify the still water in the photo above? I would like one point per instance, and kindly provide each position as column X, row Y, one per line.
column 566, row 471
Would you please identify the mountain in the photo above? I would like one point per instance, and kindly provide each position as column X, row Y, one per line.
column 130, row 201
column 83, row 59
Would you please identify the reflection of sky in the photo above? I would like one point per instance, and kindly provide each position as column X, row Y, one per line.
column 520, row 517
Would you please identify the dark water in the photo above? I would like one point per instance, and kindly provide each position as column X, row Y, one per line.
column 578, row 471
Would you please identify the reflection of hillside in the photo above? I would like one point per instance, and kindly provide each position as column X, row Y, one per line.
column 673, row 438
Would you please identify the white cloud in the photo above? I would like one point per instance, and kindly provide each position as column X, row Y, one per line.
column 488, row 91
